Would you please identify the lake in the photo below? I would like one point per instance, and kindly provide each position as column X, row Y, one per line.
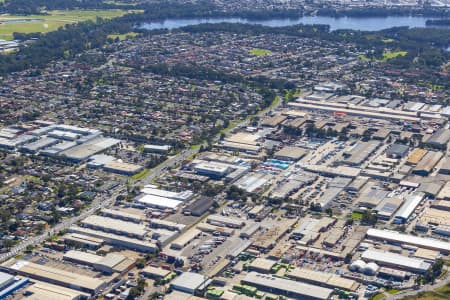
column 367, row 24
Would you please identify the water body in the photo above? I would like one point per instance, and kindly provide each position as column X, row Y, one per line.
column 366, row 24
column 18, row 21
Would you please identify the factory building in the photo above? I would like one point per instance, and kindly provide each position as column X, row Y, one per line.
column 124, row 216
column 401, row 238
column 9, row 284
column 409, row 206
column 115, row 226
column 41, row 290
column 396, row 261
column 52, row 275
column 190, row 283
column 290, row 153
column 122, row 168
column 328, row 280
column 439, row 139
column 212, row 169
column 187, row 237
column 117, row 240
column 397, row 151
column 445, row 166
column 164, row 149
column 219, row 220
column 85, row 241
column 157, row 202
column 360, row 152
column 427, row 163
column 262, row 265
column 198, row 207
column 285, row 287
column 387, row 207
column 107, row 264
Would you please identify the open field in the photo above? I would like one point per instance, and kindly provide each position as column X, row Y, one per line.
column 438, row 294
column 122, row 36
column 386, row 56
column 55, row 19
column 260, row 52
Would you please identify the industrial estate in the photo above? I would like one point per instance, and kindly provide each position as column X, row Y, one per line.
column 224, row 161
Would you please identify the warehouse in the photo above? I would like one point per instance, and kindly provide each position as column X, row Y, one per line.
column 157, row 148
column 441, row 205
column 80, row 240
column 183, row 240
column 109, row 264
column 285, row 287
column 401, row 238
column 42, row 290
column 416, row 156
column 205, row 227
column 39, row 144
column 219, row 220
column 57, row 276
column 117, row 240
column 154, row 273
column 124, row 216
column 157, row 202
column 397, row 151
column 445, row 166
column 289, row 153
column 84, row 151
column 409, row 206
column 387, row 207
column 394, row 260
column 191, row 283
column 169, row 225
column 200, row 206
column 431, row 189
column 444, row 194
column 439, row 139
column 358, row 153
column 115, row 226
column 371, row 195
column 262, row 265
column 58, row 148
column 249, row 230
column 122, row 168
column 180, row 196
column 427, row 163
column 212, row 169
column 329, row 280
column 435, row 217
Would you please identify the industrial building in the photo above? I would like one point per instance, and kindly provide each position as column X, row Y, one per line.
column 180, row 196
column 191, row 283
column 200, row 206
column 81, row 240
column 183, row 240
column 358, row 153
column 329, row 280
column 157, row 201
column 107, row 264
column 285, row 287
column 262, row 265
column 55, row 276
column 401, row 238
column 117, row 240
column 439, row 139
column 219, row 220
column 212, row 169
column 42, row 290
column 427, row 163
column 122, row 168
column 397, row 151
column 408, row 207
column 115, row 226
column 164, row 149
column 117, row 214
column 9, row 284
column 290, row 153
column 85, row 150
column 394, row 260
column 387, row 207
column 445, row 166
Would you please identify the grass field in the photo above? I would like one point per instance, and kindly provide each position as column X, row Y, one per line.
column 52, row 21
column 357, row 215
column 386, row 56
column 378, row 297
column 122, row 36
column 260, row 52
column 442, row 293
column 141, row 174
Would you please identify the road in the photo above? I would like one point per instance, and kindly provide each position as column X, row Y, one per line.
column 425, row 288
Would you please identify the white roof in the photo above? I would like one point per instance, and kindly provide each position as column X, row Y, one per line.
column 427, row 243
column 396, row 259
column 191, row 281
column 296, row 287
column 157, row 201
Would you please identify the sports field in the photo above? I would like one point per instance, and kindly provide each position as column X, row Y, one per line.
column 52, row 21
